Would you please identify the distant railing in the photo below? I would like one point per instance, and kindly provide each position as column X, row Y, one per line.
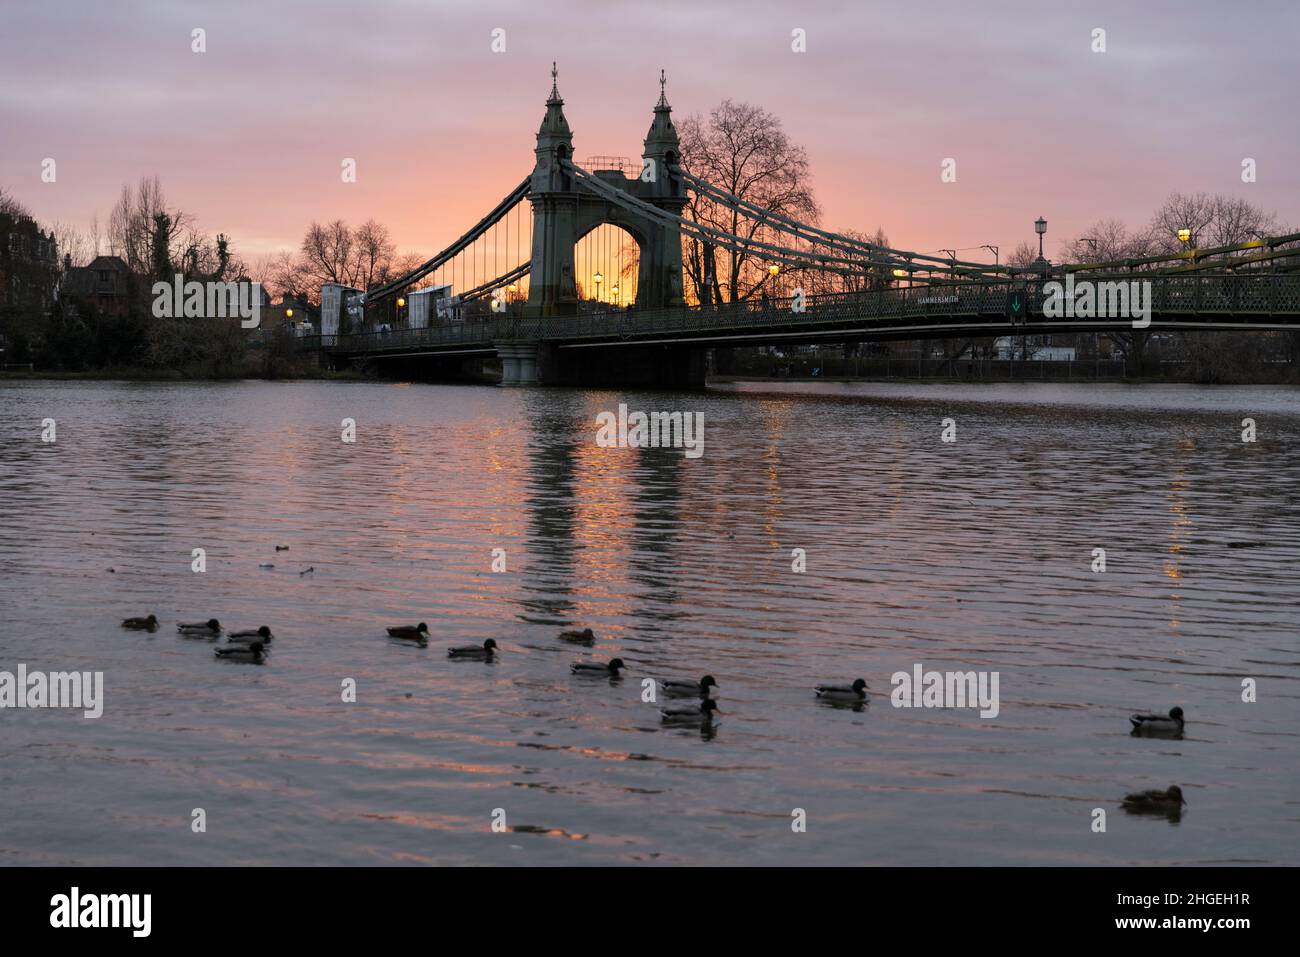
column 1270, row 294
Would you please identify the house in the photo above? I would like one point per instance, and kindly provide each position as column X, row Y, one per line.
column 29, row 265
column 106, row 285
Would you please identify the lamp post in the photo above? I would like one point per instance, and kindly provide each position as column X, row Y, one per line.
column 1040, row 227
column 598, row 279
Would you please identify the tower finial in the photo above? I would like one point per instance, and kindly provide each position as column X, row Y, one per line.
column 663, row 96
column 555, row 85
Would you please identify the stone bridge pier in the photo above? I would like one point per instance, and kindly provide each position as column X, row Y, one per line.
column 519, row 362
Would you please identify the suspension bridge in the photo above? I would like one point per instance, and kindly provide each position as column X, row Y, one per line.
column 577, row 277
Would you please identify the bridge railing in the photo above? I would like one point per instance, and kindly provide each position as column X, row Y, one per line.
column 1259, row 294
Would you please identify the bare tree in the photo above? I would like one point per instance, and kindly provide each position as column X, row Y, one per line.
column 9, row 206
column 372, row 254
column 1216, row 220
column 743, row 150
column 134, row 224
column 327, row 254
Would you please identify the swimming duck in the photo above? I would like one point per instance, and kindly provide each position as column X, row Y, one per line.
column 1155, row 802
column 248, row 635
column 203, row 629
column 486, row 652
column 594, row 670
column 701, row 713
column 1158, row 723
column 415, row 633
column 689, row 689
column 584, row 637
column 252, row 652
column 141, row 624
column 854, row 692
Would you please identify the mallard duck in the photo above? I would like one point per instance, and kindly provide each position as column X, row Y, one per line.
column 202, row 629
column 418, row 632
column 248, row 635
column 593, row 670
column 1158, row 724
column 251, row 652
column 689, row 689
column 584, row 637
column 854, row 692
column 1156, row 802
column 141, row 624
column 488, row 650
column 701, row 713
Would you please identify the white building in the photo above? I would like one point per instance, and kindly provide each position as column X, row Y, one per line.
column 435, row 301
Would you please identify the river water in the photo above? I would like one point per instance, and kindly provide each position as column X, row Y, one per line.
column 975, row 554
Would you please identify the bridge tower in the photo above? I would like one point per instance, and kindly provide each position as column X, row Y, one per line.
column 563, row 212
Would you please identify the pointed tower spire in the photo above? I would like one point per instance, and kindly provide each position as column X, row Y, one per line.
column 662, row 137
column 555, row 128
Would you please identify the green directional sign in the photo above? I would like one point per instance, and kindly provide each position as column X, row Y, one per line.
column 1016, row 304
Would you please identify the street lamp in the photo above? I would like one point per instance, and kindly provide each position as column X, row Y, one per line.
column 1185, row 235
column 401, row 303
column 288, row 314
column 774, row 270
column 598, row 279
column 1040, row 227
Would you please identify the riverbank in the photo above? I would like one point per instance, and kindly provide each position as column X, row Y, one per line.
column 156, row 375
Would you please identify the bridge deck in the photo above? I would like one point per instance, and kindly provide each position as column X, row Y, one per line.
column 1263, row 302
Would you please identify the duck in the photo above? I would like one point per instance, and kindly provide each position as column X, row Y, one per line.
column 854, row 692
column 141, row 624
column 701, row 713
column 251, row 652
column 486, row 652
column 689, row 689
column 418, row 632
column 1155, row 802
column 1158, row 723
column 203, row 629
column 584, row 637
column 249, row 635
column 594, row 670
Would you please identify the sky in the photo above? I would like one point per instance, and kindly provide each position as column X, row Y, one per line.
column 248, row 137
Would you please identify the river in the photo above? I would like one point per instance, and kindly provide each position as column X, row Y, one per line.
column 973, row 554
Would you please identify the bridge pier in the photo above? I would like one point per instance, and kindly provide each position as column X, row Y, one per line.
column 519, row 363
